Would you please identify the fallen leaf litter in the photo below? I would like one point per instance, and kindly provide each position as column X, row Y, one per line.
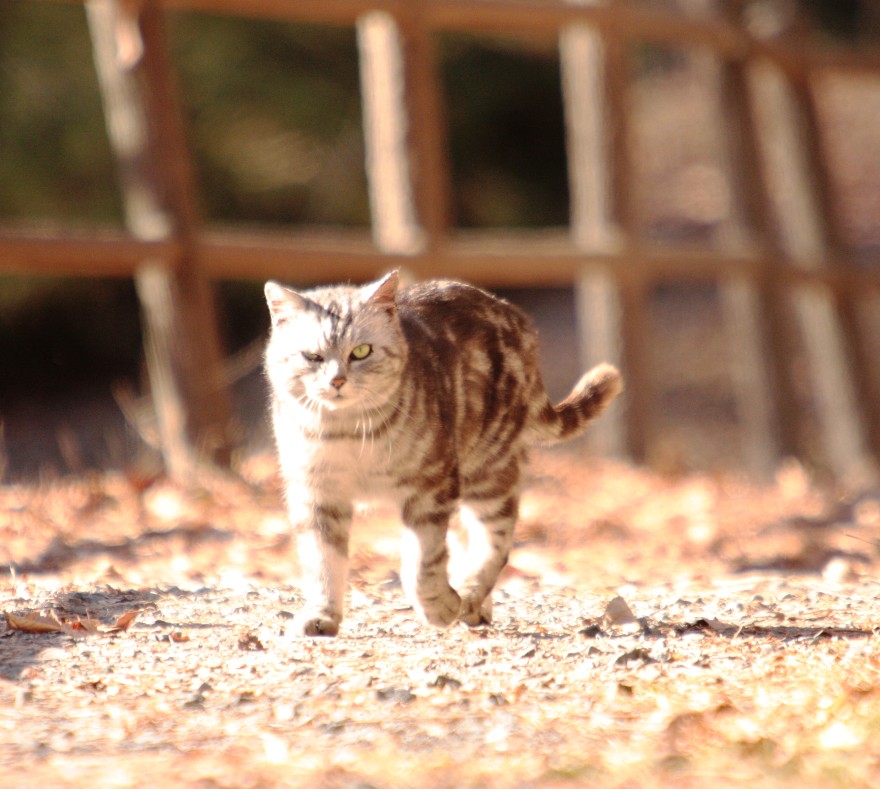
column 649, row 631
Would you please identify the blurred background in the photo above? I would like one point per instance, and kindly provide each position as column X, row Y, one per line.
column 273, row 115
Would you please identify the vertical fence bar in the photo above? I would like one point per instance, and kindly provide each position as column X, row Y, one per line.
column 144, row 126
column 597, row 300
column 407, row 167
column 803, row 238
column 396, row 226
column 610, row 310
column 765, row 403
column 428, row 126
column 856, row 343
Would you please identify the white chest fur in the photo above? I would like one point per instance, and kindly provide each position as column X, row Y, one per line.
column 337, row 458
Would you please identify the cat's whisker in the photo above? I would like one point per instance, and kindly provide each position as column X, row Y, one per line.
column 313, row 406
column 380, row 409
column 365, row 423
column 362, row 425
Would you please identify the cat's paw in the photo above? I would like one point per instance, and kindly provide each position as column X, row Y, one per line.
column 316, row 624
column 441, row 610
column 476, row 612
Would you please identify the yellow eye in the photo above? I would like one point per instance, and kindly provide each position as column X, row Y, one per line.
column 313, row 357
column 362, row 351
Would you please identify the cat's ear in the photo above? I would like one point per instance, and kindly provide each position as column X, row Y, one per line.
column 284, row 302
column 383, row 293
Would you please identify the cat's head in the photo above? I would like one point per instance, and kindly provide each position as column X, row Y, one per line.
column 336, row 348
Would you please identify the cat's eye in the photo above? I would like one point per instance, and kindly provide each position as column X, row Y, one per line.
column 312, row 357
column 361, row 351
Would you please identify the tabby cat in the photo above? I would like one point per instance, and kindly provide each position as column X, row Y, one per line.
column 428, row 394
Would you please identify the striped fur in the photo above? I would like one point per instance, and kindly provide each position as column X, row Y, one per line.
column 436, row 414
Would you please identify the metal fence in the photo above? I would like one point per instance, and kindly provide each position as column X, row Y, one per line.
column 782, row 281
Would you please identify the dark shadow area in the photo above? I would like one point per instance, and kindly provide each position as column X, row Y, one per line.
column 810, row 559
column 106, row 605
column 60, row 554
column 780, row 632
column 650, row 628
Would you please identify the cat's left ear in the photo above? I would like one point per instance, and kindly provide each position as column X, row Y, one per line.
column 283, row 302
column 383, row 293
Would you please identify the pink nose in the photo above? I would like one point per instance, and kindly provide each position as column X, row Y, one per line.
column 338, row 382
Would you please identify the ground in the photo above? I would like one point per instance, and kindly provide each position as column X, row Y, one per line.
column 650, row 631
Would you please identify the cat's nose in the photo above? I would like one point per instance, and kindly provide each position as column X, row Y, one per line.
column 338, row 382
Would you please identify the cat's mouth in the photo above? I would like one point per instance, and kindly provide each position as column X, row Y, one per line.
column 334, row 401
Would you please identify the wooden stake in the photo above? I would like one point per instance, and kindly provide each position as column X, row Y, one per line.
column 145, row 130
column 594, row 88
column 407, row 166
column 764, row 398
column 790, row 159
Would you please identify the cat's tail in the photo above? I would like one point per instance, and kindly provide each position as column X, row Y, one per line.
column 549, row 423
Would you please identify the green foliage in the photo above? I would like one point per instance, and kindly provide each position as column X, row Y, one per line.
column 274, row 115
column 507, row 143
column 273, row 110
column 55, row 162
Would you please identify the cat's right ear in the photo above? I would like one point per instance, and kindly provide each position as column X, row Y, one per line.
column 383, row 294
column 283, row 302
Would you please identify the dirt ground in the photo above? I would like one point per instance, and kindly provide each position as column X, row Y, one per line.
column 651, row 631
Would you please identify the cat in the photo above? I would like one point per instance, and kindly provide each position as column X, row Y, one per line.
column 429, row 394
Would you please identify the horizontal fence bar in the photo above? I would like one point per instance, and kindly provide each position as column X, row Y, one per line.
column 533, row 259
column 627, row 22
column 75, row 253
column 545, row 18
column 330, row 12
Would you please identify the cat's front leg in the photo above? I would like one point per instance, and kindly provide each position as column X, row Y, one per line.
column 423, row 564
column 322, row 531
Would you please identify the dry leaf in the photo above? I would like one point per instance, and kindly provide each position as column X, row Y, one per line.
column 124, row 622
column 34, row 623
column 38, row 623
column 85, row 625
column 711, row 624
column 717, row 625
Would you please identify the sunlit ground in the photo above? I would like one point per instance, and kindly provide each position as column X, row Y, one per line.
column 650, row 631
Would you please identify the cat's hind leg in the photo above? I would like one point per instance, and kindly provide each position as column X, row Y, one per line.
column 424, row 557
column 488, row 526
column 322, row 544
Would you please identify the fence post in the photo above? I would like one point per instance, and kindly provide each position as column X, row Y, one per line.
column 407, row 171
column 610, row 309
column 856, row 343
column 395, row 224
column 180, row 328
column 759, row 348
column 790, row 158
